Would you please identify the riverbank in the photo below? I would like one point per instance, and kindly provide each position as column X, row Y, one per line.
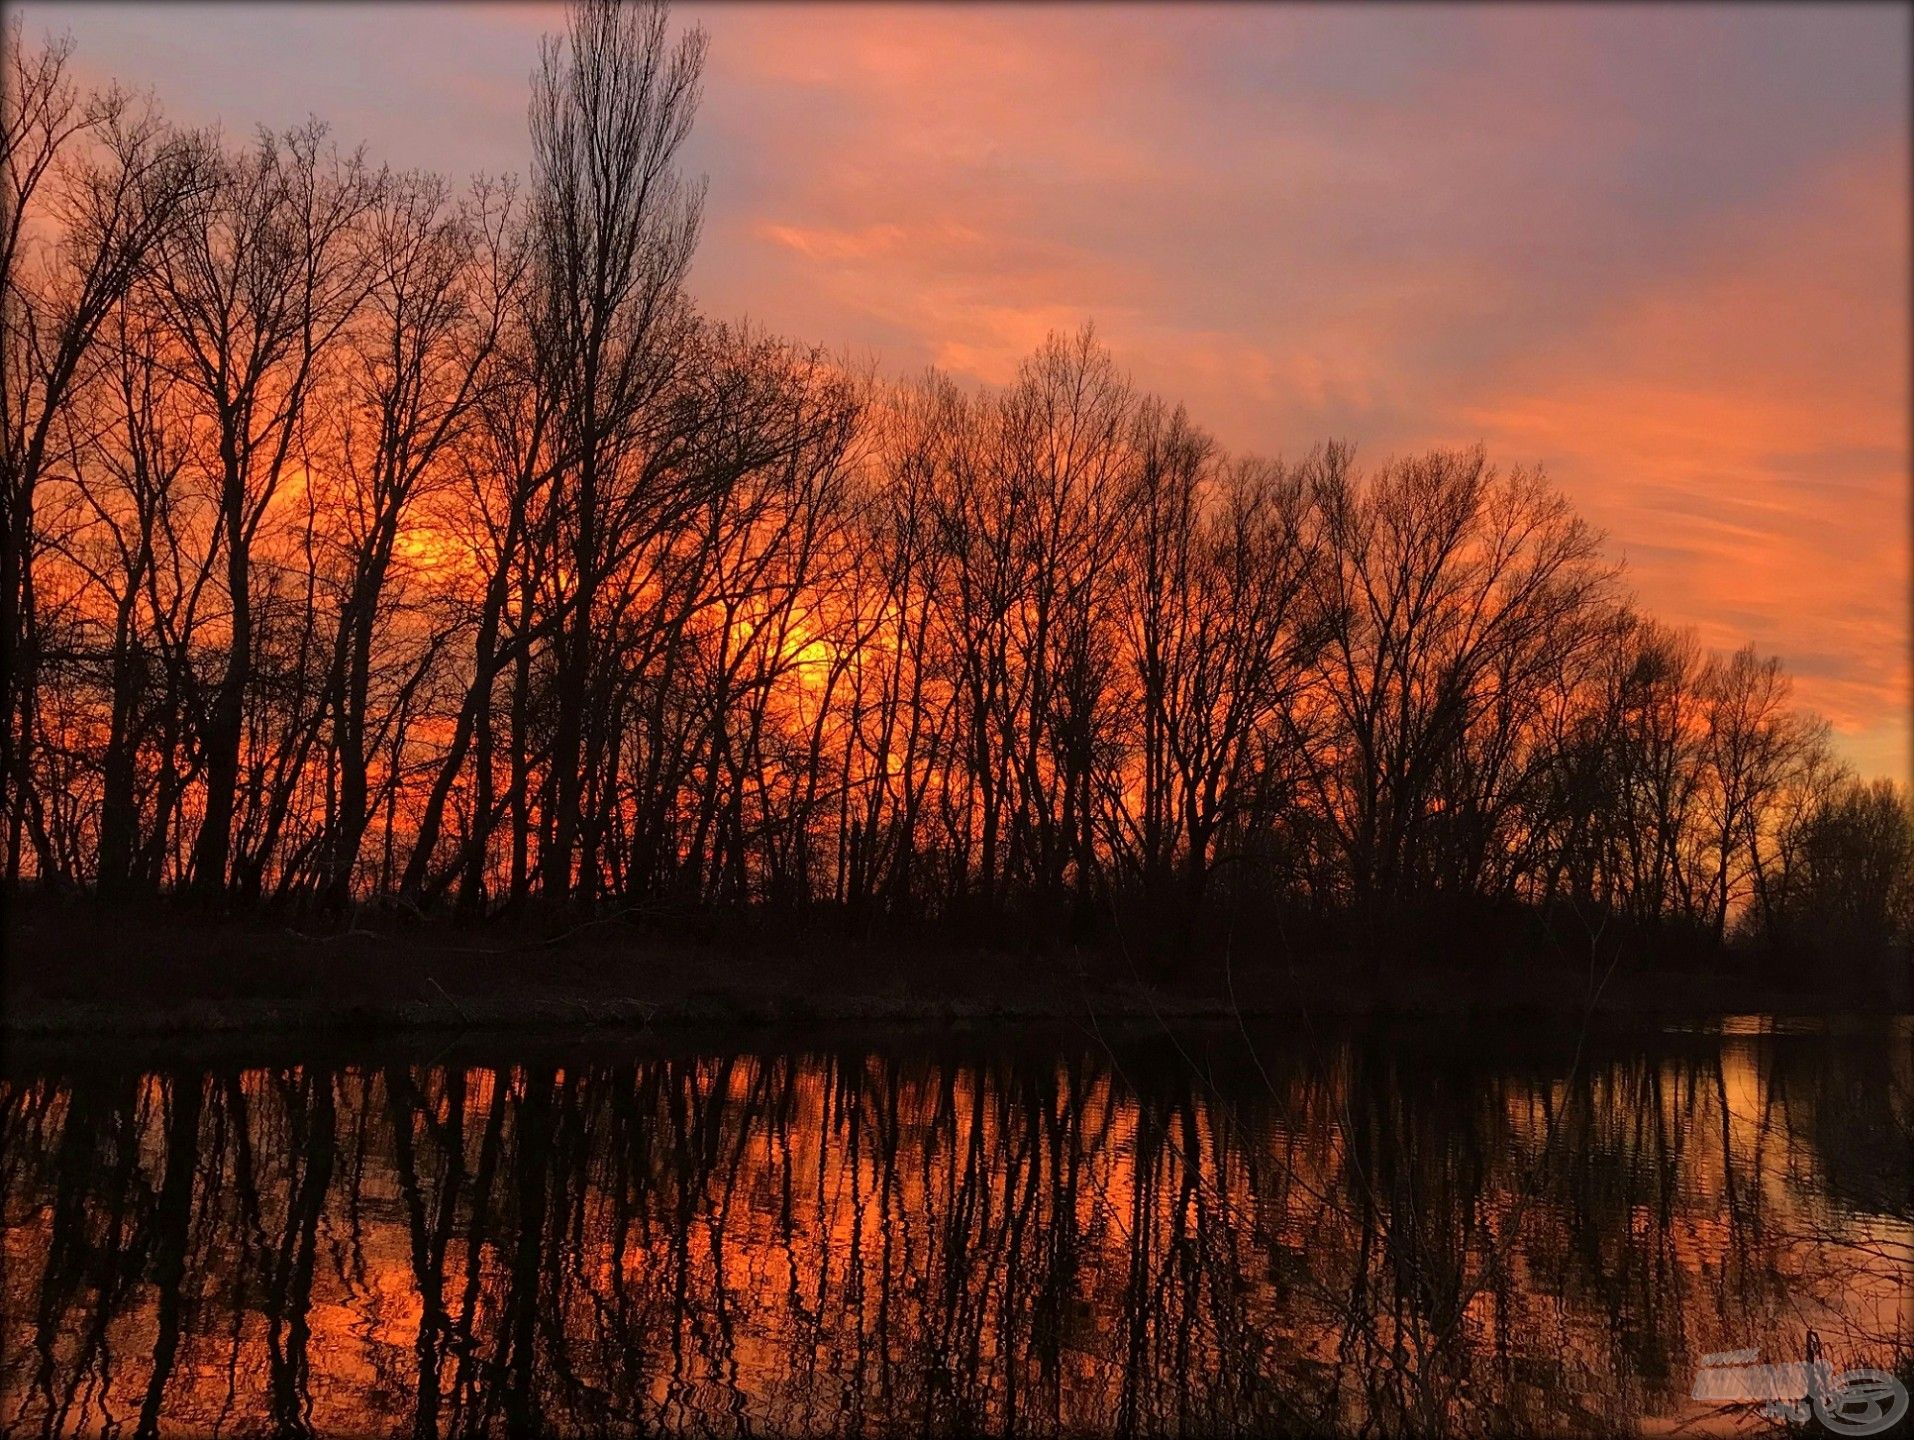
column 78, row 970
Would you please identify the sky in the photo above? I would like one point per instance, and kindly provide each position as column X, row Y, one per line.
column 1662, row 252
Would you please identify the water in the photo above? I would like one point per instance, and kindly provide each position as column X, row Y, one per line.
column 1423, row 1231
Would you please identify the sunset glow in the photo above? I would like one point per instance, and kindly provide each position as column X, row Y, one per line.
column 955, row 720
column 1661, row 251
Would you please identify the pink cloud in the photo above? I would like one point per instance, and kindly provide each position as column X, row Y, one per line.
column 1741, row 430
column 1514, row 253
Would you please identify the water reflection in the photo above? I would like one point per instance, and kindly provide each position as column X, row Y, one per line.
column 1379, row 1235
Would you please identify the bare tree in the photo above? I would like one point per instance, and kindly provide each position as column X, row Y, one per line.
column 145, row 549
column 420, row 356
column 1220, row 571
column 93, row 183
column 1748, row 745
column 616, row 225
column 256, row 286
column 1449, row 583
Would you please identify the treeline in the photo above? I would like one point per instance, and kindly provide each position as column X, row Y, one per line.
column 370, row 537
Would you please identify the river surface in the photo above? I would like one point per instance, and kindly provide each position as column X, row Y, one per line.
column 1418, row 1230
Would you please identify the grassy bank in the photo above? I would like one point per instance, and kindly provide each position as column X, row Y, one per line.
column 79, row 969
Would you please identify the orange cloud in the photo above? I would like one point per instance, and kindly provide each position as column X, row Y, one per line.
column 1547, row 230
column 1742, row 433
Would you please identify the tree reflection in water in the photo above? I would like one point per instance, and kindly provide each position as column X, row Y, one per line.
column 1370, row 1236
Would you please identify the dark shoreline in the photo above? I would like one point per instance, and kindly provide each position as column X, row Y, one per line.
column 78, row 972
